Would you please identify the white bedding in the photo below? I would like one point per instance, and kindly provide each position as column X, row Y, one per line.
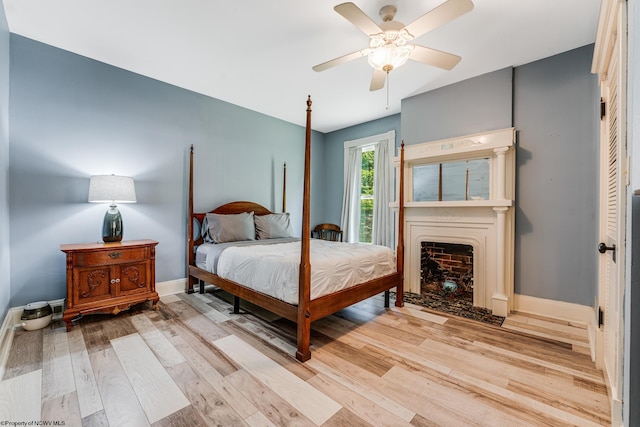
column 207, row 254
column 273, row 268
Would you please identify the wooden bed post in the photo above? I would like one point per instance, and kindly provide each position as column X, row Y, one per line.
column 400, row 249
column 304, row 285
column 188, row 286
column 284, row 187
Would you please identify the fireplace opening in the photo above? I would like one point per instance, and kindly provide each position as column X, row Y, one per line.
column 447, row 271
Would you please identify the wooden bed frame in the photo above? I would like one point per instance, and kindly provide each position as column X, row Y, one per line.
column 307, row 310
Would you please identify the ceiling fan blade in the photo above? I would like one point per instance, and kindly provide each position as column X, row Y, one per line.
column 357, row 17
column 338, row 61
column 377, row 80
column 439, row 16
column 434, row 57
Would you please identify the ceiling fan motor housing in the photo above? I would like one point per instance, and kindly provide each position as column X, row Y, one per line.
column 388, row 12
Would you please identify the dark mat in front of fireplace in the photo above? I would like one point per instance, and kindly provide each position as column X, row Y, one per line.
column 458, row 307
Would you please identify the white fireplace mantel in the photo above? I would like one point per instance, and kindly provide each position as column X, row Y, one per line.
column 486, row 225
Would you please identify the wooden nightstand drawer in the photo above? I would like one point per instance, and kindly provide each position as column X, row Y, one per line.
column 113, row 256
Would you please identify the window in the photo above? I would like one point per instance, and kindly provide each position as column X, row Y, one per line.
column 366, row 215
column 366, row 194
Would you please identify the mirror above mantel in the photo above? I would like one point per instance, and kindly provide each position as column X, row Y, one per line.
column 474, row 170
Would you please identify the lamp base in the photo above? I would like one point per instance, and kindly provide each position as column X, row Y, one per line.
column 112, row 225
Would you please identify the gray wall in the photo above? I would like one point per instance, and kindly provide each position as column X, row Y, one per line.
column 5, row 288
column 72, row 117
column 334, row 160
column 556, row 106
column 476, row 105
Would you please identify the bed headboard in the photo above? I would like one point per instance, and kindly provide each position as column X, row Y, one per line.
column 235, row 208
column 226, row 209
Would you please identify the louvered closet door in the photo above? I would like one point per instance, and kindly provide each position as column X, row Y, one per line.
column 612, row 228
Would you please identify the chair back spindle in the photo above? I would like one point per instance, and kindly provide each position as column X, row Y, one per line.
column 329, row 232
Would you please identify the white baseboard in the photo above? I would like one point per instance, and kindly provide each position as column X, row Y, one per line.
column 6, row 335
column 555, row 309
column 170, row 287
column 560, row 310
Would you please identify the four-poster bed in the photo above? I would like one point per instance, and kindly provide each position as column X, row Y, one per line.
column 306, row 307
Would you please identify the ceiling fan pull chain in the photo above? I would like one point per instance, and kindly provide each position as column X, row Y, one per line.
column 387, row 77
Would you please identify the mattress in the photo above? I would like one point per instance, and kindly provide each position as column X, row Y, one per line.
column 273, row 268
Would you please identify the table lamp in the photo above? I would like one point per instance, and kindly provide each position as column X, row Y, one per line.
column 112, row 189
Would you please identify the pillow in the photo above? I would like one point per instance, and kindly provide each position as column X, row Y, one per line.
column 273, row 226
column 218, row 228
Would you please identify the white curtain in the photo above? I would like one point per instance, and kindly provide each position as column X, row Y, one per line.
column 382, row 233
column 351, row 195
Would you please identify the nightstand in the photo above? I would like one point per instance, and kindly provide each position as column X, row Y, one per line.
column 109, row 277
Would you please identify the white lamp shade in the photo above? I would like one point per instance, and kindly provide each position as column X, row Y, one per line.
column 111, row 189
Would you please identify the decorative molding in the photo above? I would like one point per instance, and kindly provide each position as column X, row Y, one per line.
column 444, row 146
column 446, row 216
column 605, row 36
column 390, row 135
column 461, row 147
column 455, row 204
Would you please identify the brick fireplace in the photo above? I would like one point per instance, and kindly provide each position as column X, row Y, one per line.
column 447, row 268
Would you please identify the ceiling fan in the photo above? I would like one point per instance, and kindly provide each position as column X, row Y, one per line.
column 388, row 48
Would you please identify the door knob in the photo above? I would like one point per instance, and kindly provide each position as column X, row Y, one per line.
column 602, row 248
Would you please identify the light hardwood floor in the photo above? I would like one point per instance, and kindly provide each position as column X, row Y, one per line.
column 195, row 363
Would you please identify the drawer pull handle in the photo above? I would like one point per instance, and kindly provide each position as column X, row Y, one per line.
column 114, row 255
column 115, row 281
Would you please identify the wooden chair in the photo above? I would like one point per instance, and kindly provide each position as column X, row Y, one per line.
column 330, row 232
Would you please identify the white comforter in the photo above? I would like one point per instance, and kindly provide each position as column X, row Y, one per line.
column 273, row 269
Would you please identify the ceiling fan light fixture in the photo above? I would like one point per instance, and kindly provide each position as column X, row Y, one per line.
column 389, row 56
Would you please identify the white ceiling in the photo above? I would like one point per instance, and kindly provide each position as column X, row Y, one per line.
column 258, row 54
